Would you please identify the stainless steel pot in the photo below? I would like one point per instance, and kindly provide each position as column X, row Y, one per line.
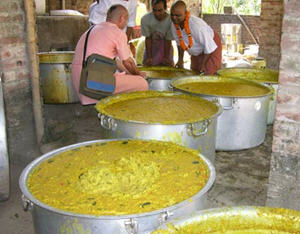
column 267, row 77
column 56, row 77
column 243, row 123
column 4, row 159
column 49, row 220
column 200, row 135
column 161, row 81
column 239, row 219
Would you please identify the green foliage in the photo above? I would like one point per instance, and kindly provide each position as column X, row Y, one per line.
column 243, row 7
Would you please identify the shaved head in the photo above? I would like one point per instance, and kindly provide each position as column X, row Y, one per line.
column 179, row 4
column 117, row 14
column 115, row 11
column 178, row 11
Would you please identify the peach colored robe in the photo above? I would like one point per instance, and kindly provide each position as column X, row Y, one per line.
column 108, row 40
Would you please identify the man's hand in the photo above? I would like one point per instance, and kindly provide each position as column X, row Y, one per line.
column 143, row 74
column 148, row 62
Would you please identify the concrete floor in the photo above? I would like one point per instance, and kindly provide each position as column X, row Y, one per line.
column 242, row 176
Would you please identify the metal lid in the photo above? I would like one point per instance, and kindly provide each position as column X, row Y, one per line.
column 56, row 57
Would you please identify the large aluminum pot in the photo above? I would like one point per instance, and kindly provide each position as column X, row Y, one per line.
column 56, row 77
column 243, row 123
column 159, row 77
column 244, row 219
column 199, row 135
column 4, row 159
column 267, row 77
column 49, row 220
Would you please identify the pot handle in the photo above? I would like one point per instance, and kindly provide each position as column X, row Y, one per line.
column 131, row 226
column 227, row 103
column 164, row 217
column 199, row 129
column 107, row 122
column 26, row 203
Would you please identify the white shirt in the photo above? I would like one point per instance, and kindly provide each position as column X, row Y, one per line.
column 98, row 11
column 202, row 34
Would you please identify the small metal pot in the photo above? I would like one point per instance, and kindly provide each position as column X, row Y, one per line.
column 239, row 219
column 159, row 77
column 243, row 123
column 50, row 220
column 56, row 77
column 199, row 135
column 267, row 77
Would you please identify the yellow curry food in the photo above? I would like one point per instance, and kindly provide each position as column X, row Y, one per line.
column 155, row 107
column 262, row 221
column 235, row 89
column 119, row 177
column 259, row 75
column 160, row 72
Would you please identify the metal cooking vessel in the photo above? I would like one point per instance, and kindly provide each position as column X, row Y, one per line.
column 239, row 219
column 161, row 80
column 4, row 159
column 56, row 77
column 200, row 135
column 267, row 77
column 243, row 123
column 49, row 220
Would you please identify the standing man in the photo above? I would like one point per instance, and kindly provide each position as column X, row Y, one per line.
column 156, row 27
column 109, row 40
column 196, row 37
column 98, row 12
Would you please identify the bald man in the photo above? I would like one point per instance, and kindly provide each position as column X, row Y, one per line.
column 109, row 40
column 196, row 37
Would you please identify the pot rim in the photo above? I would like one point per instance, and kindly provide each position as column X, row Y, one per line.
column 214, row 116
column 26, row 171
column 219, row 96
column 201, row 215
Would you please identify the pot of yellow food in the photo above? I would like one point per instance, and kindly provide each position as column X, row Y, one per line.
column 114, row 186
column 56, row 77
column 268, row 77
column 159, row 77
column 236, row 220
column 243, row 123
column 184, row 119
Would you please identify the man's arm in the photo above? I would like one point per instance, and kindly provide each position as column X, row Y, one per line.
column 148, row 44
column 131, row 67
column 129, row 32
column 204, row 60
column 180, row 57
column 167, row 49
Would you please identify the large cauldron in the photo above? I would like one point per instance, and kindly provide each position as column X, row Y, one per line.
column 267, row 77
column 244, row 219
column 49, row 220
column 199, row 135
column 243, row 123
column 55, row 77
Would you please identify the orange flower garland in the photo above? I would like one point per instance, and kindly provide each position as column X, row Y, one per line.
column 187, row 30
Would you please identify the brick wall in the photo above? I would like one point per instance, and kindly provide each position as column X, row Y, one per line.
column 270, row 25
column 15, row 76
column 79, row 5
column 253, row 22
column 284, row 181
